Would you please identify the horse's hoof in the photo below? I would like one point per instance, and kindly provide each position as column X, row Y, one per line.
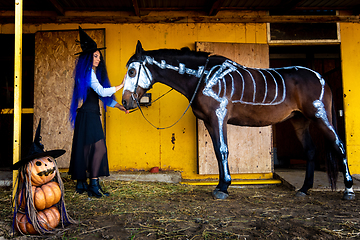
column 217, row 194
column 300, row 194
column 349, row 196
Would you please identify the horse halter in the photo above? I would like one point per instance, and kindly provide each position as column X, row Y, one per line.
column 134, row 95
column 181, row 70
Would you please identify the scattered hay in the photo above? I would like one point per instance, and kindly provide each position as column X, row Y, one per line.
column 144, row 210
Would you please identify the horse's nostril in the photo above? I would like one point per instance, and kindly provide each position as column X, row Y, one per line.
column 124, row 103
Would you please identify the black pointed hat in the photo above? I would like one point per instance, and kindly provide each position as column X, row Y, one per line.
column 88, row 45
column 37, row 151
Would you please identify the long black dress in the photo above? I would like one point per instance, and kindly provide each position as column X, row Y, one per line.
column 89, row 153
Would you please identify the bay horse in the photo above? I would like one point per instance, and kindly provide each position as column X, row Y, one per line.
column 223, row 92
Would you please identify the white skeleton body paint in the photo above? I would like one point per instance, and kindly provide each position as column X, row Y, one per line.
column 219, row 75
column 143, row 80
column 260, row 96
column 144, row 77
column 228, row 69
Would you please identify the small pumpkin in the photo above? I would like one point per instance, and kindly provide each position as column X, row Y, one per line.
column 42, row 170
column 48, row 219
column 44, row 196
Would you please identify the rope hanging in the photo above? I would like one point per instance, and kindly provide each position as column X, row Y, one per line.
column 191, row 101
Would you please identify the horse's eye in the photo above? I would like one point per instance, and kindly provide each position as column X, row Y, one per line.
column 132, row 72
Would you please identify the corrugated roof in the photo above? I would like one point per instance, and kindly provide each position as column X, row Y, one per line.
column 55, row 9
column 126, row 5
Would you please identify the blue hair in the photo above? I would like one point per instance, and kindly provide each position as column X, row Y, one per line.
column 82, row 82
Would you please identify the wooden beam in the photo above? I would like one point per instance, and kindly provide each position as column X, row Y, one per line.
column 215, row 8
column 11, row 111
column 17, row 84
column 136, row 7
column 58, row 8
column 172, row 17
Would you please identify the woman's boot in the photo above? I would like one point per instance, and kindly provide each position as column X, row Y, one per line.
column 102, row 191
column 81, row 186
column 95, row 189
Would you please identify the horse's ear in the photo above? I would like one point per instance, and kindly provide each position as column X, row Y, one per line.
column 139, row 49
column 185, row 49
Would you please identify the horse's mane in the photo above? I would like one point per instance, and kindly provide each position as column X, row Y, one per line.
column 183, row 52
column 174, row 54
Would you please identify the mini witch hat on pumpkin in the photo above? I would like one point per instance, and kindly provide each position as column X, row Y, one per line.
column 37, row 151
column 88, row 45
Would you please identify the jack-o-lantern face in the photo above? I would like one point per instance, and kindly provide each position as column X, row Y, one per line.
column 42, row 170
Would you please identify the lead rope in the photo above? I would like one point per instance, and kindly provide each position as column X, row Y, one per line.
column 191, row 101
column 152, row 101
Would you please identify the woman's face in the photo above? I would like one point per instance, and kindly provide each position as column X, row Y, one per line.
column 96, row 58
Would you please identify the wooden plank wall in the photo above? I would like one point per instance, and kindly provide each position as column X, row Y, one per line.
column 250, row 148
column 53, row 86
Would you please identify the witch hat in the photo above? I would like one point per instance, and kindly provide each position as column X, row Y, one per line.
column 37, row 151
column 88, row 45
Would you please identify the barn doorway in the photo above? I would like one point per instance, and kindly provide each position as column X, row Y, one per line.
column 326, row 60
column 7, row 96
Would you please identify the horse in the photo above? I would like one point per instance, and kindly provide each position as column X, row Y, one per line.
column 221, row 92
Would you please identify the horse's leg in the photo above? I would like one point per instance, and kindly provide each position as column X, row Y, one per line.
column 218, row 133
column 339, row 149
column 301, row 126
column 331, row 136
column 222, row 153
column 349, row 192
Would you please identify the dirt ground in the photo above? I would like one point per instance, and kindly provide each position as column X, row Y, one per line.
column 146, row 210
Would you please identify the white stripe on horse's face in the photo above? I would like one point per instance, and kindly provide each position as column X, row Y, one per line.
column 132, row 77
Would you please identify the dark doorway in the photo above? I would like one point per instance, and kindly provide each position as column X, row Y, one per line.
column 7, row 96
column 326, row 60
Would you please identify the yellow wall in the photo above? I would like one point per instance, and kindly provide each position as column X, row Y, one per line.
column 350, row 56
column 132, row 143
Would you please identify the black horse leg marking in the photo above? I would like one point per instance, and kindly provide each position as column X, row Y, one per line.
column 301, row 126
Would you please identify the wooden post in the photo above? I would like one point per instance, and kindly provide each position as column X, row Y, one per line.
column 17, row 83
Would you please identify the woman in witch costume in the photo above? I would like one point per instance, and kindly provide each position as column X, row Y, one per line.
column 89, row 153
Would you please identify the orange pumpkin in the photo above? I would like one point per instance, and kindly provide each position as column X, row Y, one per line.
column 47, row 195
column 44, row 196
column 48, row 219
column 22, row 206
column 42, row 170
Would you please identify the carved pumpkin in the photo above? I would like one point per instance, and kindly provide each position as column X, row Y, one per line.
column 44, row 196
column 48, row 219
column 42, row 170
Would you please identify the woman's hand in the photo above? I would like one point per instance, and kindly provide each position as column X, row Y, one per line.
column 121, row 107
column 117, row 88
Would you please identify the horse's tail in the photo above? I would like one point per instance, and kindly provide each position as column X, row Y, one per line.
column 332, row 157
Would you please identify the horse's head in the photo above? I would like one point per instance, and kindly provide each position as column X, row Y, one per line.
column 137, row 80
